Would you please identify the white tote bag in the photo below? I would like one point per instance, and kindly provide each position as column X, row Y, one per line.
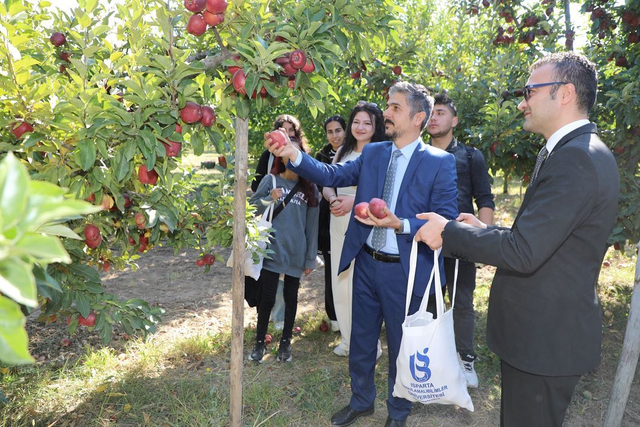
column 251, row 268
column 427, row 363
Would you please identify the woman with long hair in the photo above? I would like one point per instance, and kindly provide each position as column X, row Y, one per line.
column 292, row 126
column 294, row 245
column 334, row 129
column 366, row 124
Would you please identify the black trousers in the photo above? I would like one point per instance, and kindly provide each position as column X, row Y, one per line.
column 268, row 283
column 328, row 289
column 530, row 400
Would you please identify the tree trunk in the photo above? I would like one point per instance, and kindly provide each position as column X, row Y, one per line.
column 628, row 359
column 239, row 231
column 505, row 184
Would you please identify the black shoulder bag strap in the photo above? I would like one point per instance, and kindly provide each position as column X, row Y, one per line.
column 282, row 205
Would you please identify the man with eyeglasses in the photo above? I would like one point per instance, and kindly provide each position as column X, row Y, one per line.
column 411, row 176
column 473, row 184
column 544, row 317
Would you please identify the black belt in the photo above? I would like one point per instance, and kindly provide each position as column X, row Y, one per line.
column 381, row 256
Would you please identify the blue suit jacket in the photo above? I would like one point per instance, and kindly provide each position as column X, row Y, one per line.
column 429, row 185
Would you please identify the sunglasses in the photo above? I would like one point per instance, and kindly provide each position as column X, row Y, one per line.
column 526, row 91
column 361, row 103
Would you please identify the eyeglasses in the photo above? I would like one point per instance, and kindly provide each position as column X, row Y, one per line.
column 361, row 103
column 526, row 91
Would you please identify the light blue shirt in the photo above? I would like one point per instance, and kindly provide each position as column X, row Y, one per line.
column 391, row 245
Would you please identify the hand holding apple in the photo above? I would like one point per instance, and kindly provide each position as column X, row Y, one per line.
column 273, row 143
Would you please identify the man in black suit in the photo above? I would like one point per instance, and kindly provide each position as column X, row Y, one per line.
column 544, row 317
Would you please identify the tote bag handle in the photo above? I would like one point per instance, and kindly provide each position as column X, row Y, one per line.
column 435, row 276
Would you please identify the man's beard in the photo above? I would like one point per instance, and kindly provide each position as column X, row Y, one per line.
column 440, row 134
column 394, row 133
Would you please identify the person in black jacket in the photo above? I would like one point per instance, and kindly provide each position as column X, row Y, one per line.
column 334, row 128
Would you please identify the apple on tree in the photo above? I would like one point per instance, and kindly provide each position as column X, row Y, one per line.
column 21, row 129
column 208, row 116
column 90, row 320
column 146, row 176
column 195, row 6
column 216, row 6
column 196, row 25
column 92, row 237
column 58, row 39
column 238, row 81
column 191, row 113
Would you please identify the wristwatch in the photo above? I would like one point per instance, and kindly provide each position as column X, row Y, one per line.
column 400, row 230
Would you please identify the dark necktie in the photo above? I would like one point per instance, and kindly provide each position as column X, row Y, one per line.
column 379, row 237
column 542, row 156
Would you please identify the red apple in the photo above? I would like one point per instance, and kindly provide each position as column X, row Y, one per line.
column 213, row 19
column 173, row 148
column 209, row 259
column 297, row 330
column 222, row 161
column 494, row 146
column 57, row 39
column 216, row 6
column 606, row 263
column 291, row 83
column 21, row 129
column 65, row 342
column 132, row 241
column 621, row 61
column 285, row 63
column 191, row 113
column 178, row 129
column 324, row 327
column 267, row 339
column 90, row 320
column 106, row 266
column 65, row 56
column 92, row 237
column 208, row 116
column 297, row 59
column 397, row 70
column 632, row 38
column 91, row 198
column 361, row 210
column 377, row 206
column 356, row 75
column 147, row 176
column 127, row 200
column 141, row 220
column 200, row 262
column 238, row 81
column 278, row 138
column 196, row 25
column 309, row 67
column 195, row 6
column 233, row 68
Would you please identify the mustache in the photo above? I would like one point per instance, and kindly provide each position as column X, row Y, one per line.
column 387, row 121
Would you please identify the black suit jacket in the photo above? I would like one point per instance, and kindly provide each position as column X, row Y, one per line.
column 544, row 316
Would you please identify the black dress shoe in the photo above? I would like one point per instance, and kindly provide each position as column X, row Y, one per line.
column 347, row 416
column 395, row 423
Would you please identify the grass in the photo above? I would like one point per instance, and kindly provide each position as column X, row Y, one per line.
column 184, row 381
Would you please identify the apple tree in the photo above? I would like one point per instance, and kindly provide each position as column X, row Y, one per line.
column 104, row 99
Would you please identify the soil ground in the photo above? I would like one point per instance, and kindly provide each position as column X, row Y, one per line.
column 197, row 302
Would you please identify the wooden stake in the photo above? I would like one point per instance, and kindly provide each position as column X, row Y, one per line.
column 628, row 359
column 239, row 231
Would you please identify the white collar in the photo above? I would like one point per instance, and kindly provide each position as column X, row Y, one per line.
column 564, row 130
column 407, row 150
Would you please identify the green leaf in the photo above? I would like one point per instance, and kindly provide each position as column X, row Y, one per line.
column 59, row 230
column 85, row 271
column 243, row 107
column 45, row 249
column 17, row 281
column 14, row 180
column 13, row 337
column 83, row 304
column 85, row 154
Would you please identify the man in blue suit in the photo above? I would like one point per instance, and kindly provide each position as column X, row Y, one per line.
column 421, row 177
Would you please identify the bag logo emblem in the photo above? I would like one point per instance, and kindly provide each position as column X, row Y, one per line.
column 419, row 366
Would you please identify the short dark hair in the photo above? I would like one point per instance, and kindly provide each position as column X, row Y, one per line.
column 336, row 118
column 576, row 69
column 418, row 98
column 443, row 99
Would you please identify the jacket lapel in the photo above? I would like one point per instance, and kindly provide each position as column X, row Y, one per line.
column 590, row 128
column 383, row 165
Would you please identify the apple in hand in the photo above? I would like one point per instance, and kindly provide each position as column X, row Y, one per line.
column 278, row 138
column 361, row 210
column 377, row 206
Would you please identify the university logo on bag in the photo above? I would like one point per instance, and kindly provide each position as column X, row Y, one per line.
column 419, row 365
column 423, row 390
